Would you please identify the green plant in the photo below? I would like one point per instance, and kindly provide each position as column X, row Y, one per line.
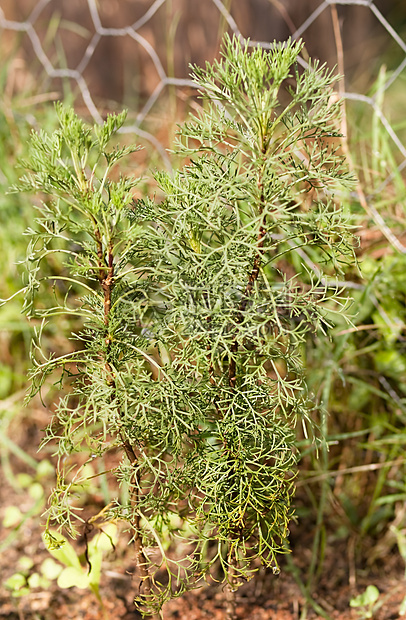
column 354, row 491
column 22, row 582
column 29, row 486
column 188, row 315
column 74, row 574
column 366, row 602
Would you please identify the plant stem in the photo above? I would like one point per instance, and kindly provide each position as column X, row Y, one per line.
column 253, row 277
column 232, row 378
column 231, row 587
column 145, row 586
column 106, row 279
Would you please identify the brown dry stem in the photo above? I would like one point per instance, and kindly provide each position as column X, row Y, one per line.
column 105, row 274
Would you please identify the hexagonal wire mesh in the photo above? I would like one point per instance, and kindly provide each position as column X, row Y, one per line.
column 120, row 52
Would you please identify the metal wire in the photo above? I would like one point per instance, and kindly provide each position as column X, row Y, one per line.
column 28, row 28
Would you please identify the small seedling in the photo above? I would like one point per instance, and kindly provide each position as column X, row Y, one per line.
column 75, row 573
column 25, row 580
column 366, row 602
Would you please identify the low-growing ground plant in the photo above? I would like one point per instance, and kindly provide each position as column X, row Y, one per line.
column 188, row 313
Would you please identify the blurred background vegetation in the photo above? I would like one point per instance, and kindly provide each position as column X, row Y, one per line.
column 102, row 56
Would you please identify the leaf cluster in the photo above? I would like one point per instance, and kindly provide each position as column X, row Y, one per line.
column 191, row 318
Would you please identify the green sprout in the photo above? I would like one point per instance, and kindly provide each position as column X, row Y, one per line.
column 366, row 602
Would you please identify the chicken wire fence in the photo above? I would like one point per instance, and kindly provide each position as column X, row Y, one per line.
column 110, row 53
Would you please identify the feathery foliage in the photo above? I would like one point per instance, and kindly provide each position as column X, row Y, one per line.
column 191, row 312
